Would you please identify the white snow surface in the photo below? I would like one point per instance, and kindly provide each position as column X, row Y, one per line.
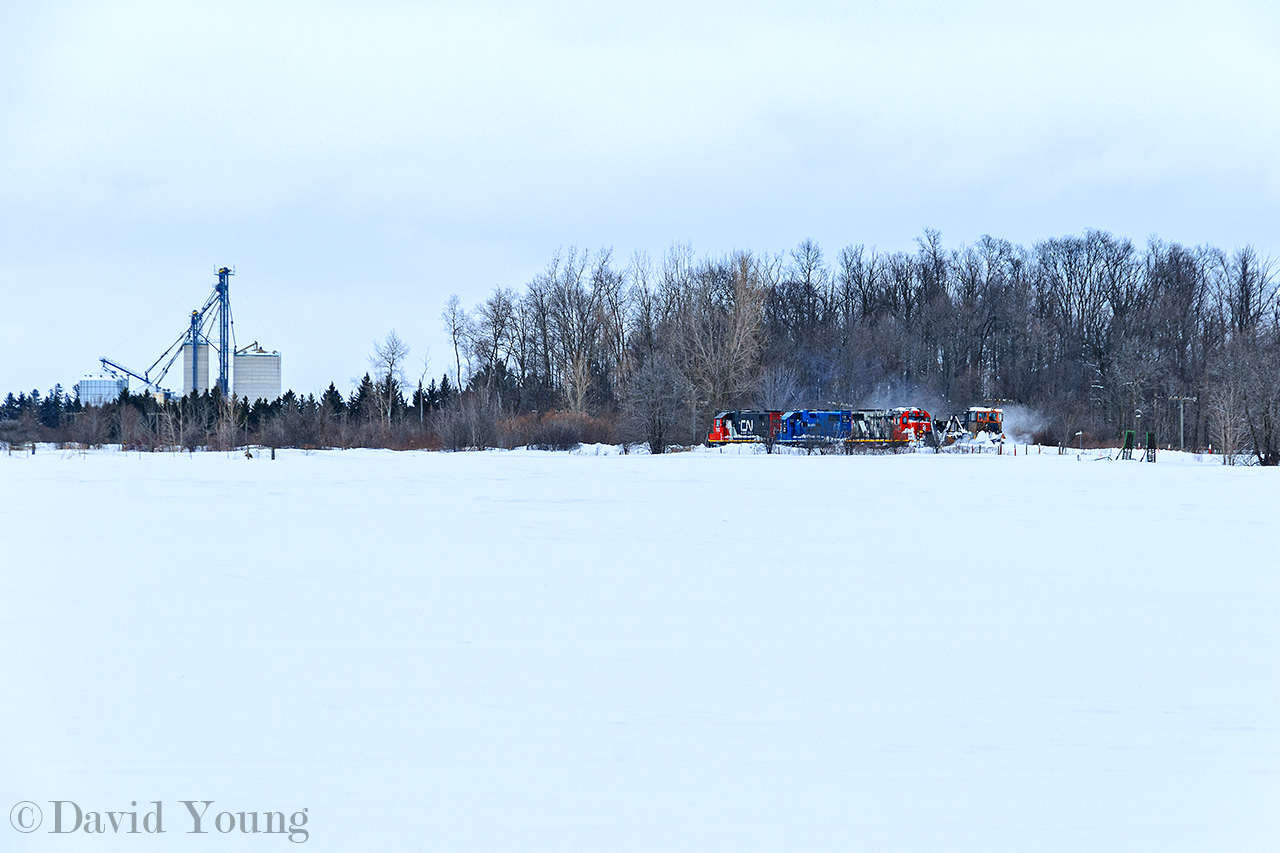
column 699, row 651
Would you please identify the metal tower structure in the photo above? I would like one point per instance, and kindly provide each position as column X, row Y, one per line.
column 193, row 341
column 219, row 303
column 223, row 291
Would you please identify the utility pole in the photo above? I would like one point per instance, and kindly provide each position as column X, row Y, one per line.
column 1181, row 420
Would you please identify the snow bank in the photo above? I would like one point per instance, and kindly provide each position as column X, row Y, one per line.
column 699, row 651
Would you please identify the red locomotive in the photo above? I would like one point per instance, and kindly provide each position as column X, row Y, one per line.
column 743, row 427
column 912, row 424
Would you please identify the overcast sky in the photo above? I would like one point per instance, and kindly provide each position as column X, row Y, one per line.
column 358, row 163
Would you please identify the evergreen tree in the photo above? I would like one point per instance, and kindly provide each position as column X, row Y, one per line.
column 259, row 413
column 363, row 402
column 331, row 401
column 446, row 391
column 50, row 411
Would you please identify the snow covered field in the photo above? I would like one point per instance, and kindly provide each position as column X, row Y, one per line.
column 701, row 651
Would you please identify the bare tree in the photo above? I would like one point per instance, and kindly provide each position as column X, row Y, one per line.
column 654, row 404
column 1245, row 286
column 225, row 428
column 645, row 316
column 457, row 324
column 1227, row 424
column 614, row 305
column 1134, row 375
column 491, row 337
column 471, row 423
column 388, row 361
column 575, row 319
column 1261, row 369
column 530, row 348
column 89, row 429
column 859, row 281
column 777, row 389
column 718, row 340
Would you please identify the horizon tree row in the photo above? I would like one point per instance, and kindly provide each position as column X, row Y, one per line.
column 1095, row 334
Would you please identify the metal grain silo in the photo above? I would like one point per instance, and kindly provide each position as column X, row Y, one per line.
column 100, row 390
column 256, row 374
column 201, row 371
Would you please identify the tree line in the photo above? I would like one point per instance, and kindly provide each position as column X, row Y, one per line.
column 1096, row 334
column 1092, row 332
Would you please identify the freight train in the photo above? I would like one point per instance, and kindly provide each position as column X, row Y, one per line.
column 898, row 427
